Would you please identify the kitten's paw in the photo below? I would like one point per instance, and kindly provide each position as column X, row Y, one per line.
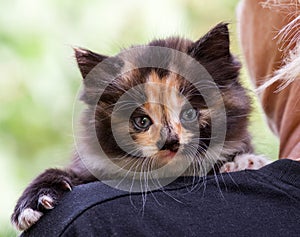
column 27, row 217
column 245, row 161
column 42, row 195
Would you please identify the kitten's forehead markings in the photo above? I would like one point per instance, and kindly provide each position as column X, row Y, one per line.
column 164, row 101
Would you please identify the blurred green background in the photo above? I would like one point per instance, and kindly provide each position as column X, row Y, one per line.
column 39, row 78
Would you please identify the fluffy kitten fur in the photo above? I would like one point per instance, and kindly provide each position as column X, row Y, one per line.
column 160, row 130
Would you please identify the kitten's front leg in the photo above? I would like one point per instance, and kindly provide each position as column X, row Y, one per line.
column 245, row 161
column 41, row 195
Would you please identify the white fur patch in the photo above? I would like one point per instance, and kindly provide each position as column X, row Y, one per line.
column 27, row 218
column 245, row 161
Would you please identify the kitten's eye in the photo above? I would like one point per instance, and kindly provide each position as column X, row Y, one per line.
column 142, row 122
column 189, row 115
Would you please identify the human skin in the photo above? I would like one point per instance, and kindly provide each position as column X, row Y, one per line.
column 264, row 54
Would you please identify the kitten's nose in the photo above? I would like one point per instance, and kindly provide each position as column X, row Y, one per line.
column 171, row 144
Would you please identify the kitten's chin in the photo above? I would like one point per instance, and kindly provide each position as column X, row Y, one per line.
column 165, row 156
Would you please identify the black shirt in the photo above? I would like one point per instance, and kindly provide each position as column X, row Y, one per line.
column 263, row 202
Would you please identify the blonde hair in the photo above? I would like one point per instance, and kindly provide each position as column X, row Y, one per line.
column 289, row 37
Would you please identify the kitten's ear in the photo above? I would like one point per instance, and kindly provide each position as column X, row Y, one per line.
column 213, row 45
column 87, row 60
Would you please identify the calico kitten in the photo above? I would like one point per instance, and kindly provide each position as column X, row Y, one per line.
column 150, row 109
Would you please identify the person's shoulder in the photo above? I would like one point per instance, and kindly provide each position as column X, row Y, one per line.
column 97, row 205
column 81, row 198
column 284, row 171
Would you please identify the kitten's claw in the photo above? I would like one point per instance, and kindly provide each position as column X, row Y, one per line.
column 245, row 161
column 66, row 186
column 46, row 201
column 27, row 218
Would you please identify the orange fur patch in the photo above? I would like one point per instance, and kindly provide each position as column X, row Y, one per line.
column 164, row 104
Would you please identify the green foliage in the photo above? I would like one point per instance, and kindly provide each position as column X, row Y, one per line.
column 7, row 232
column 39, row 79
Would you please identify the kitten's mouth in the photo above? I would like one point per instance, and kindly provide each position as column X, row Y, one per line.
column 167, row 154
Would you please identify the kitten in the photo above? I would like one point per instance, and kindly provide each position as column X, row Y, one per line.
column 171, row 108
